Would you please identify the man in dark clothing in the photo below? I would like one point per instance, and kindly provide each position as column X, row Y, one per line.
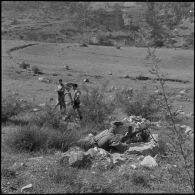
column 60, row 91
column 76, row 100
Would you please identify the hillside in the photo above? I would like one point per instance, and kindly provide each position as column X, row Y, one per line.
column 104, row 23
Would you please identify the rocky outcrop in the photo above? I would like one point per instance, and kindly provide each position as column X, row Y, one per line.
column 144, row 148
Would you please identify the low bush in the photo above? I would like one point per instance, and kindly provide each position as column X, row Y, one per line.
column 32, row 138
column 139, row 178
column 139, row 103
column 47, row 116
column 12, row 105
column 36, row 70
column 62, row 140
column 8, row 173
column 96, row 110
column 24, row 65
column 28, row 138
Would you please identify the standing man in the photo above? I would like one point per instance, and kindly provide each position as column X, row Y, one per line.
column 67, row 93
column 76, row 100
column 60, row 91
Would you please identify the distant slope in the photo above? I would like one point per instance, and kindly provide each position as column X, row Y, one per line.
column 53, row 22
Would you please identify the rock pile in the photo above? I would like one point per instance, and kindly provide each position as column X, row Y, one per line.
column 100, row 158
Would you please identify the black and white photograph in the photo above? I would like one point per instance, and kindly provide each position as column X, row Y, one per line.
column 97, row 97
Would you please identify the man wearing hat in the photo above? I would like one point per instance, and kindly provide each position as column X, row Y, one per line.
column 107, row 139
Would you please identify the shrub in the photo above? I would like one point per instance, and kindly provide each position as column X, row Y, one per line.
column 96, row 110
column 36, row 70
column 33, row 138
column 24, row 65
column 47, row 116
column 139, row 103
column 138, row 178
column 8, row 173
column 27, row 138
column 61, row 140
column 11, row 106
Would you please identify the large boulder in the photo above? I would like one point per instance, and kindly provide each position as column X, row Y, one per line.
column 144, row 148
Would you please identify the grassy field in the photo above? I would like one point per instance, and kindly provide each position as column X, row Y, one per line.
column 93, row 62
column 100, row 65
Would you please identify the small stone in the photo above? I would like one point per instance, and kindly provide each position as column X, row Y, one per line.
column 188, row 129
column 117, row 158
column 183, row 92
column 44, row 80
column 178, row 96
column 149, row 162
column 126, row 76
column 42, row 105
column 35, row 109
column 133, row 166
column 86, row 80
column 92, row 152
column 26, row 187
